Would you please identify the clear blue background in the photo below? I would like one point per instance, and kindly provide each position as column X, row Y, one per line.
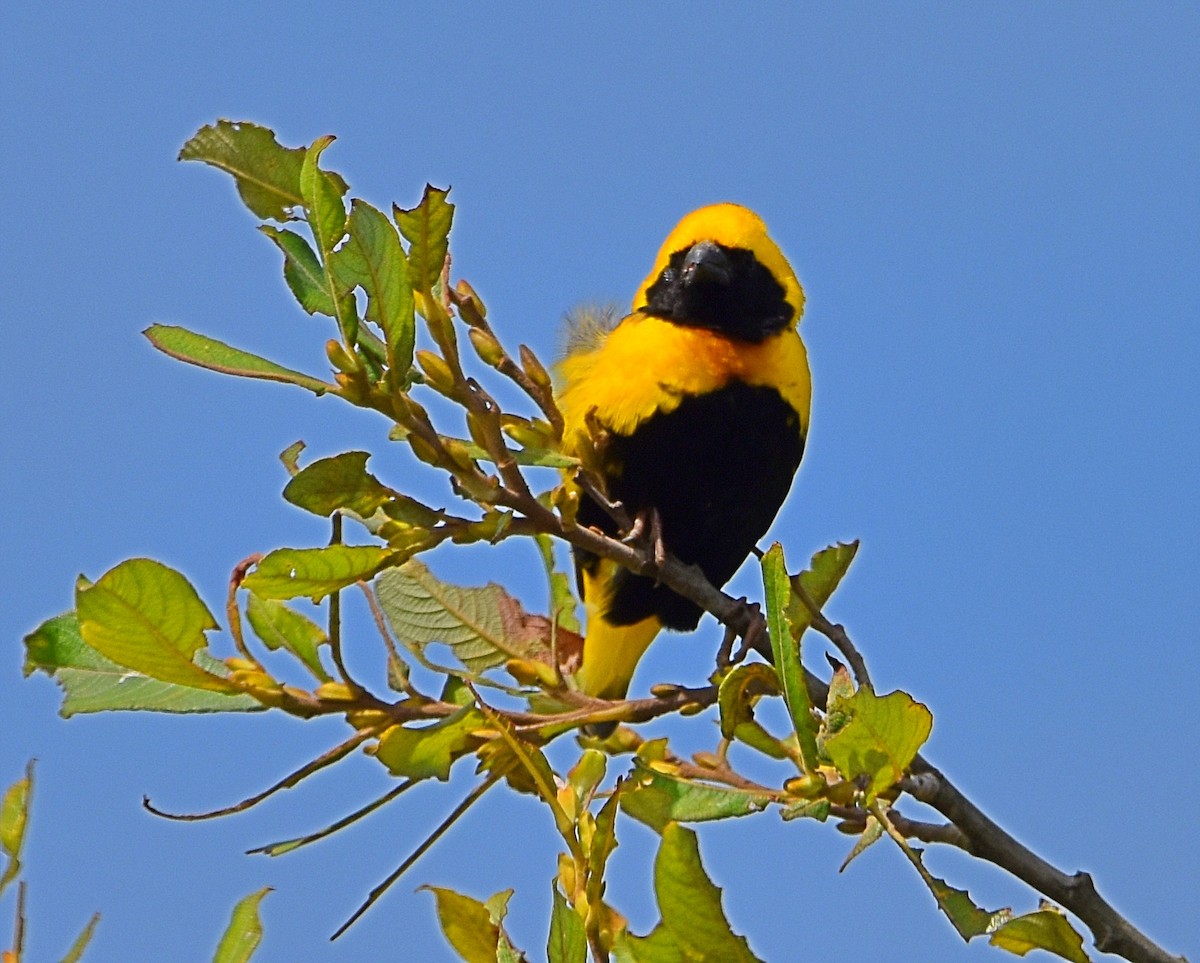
column 994, row 210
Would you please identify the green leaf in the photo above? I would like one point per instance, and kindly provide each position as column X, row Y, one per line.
column 147, row 617
column 427, row 228
column 693, row 924
column 568, row 939
column 82, row 940
column 267, row 174
column 1047, row 929
column 740, row 690
column 879, row 739
column 871, row 834
column 483, row 626
column 562, row 599
column 965, row 916
column 205, row 352
column 819, row 580
column 290, row 456
column 586, row 775
column 341, row 481
column 314, row 572
column 467, row 925
column 373, row 259
column 657, row 799
column 14, row 819
column 302, row 271
column 322, row 195
column 534, row 457
column 280, row 627
column 429, row 751
column 92, row 683
column 244, row 932
column 786, row 648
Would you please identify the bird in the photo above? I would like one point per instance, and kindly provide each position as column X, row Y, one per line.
column 693, row 411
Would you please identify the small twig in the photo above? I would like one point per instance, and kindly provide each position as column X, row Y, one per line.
column 417, row 853
column 1111, row 932
column 335, row 612
column 232, row 613
column 342, row 823
column 834, row 633
column 326, row 758
column 926, row 832
column 388, row 642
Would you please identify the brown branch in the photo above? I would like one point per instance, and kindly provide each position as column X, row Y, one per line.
column 834, row 633
column 970, row 828
column 927, row 832
column 1111, row 932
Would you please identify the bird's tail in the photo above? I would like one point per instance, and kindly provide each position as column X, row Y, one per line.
column 610, row 652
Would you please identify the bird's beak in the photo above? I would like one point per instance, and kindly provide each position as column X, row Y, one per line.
column 706, row 263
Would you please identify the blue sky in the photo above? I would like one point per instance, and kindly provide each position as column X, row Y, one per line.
column 994, row 213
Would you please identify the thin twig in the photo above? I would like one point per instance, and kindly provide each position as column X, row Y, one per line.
column 327, row 758
column 417, row 853
column 835, row 634
column 231, row 607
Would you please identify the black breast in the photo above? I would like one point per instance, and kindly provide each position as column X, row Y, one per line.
column 717, row 468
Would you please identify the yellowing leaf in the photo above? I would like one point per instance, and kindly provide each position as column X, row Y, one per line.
column 314, row 572
column 429, row 751
column 14, row 818
column 427, row 228
column 467, row 925
column 879, row 738
column 147, row 617
column 736, row 698
column 1047, row 929
column 75, row 953
column 340, row 481
column 693, row 921
column 280, row 627
column 819, row 580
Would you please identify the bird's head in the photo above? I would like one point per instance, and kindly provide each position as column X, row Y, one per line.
column 719, row 269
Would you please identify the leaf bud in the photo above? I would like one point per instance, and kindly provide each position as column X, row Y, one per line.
column 537, row 373
column 255, row 680
column 340, row 358
column 460, row 454
column 530, row 434
column 335, row 692
column 467, row 293
column 808, row 786
column 424, row 450
column 532, row 672
column 437, row 373
column 486, row 346
column 477, row 427
column 367, row 718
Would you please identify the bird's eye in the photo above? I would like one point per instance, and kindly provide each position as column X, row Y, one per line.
column 667, row 276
